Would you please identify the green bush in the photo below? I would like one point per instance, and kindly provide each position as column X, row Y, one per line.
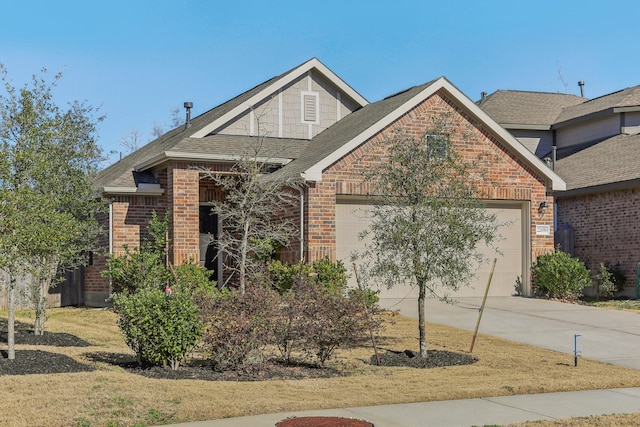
column 603, row 281
column 136, row 269
column 557, row 274
column 282, row 274
column 195, row 280
column 161, row 329
column 331, row 275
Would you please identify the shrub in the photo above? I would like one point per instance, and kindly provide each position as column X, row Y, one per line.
column 195, row 280
column 282, row 274
column 331, row 275
column 314, row 321
column 557, row 274
column 238, row 327
column 603, row 282
column 160, row 329
column 143, row 267
column 329, row 320
column 135, row 269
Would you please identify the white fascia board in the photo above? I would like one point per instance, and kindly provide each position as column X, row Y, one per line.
column 314, row 173
column 133, row 191
column 273, row 88
column 199, row 157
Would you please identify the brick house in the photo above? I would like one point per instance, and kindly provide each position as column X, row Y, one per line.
column 592, row 145
column 313, row 125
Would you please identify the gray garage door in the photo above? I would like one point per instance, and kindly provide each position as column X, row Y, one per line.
column 352, row 218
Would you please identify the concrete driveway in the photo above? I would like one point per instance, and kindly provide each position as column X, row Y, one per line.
column 610, row 336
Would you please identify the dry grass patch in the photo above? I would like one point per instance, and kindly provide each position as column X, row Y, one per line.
column 110, row 394
column 617, row 420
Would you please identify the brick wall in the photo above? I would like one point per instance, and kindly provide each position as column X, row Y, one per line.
column 606, row 228
column 183, row 196
column 503, row 176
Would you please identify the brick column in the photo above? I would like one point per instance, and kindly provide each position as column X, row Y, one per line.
column 184, row 221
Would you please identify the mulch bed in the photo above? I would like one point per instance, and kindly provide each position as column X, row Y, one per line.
column 49, row 362
column 434, row 359
column 322, row 422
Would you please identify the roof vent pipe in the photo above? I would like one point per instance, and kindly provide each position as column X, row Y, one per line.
column 188, row 106
column 581, row 84
column 483, row 95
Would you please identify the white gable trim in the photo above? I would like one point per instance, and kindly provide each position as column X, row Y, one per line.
column 314, row 173
column 205, row 157
column 303, row 69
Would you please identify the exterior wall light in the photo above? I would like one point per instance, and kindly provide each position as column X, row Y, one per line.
column 542, row 208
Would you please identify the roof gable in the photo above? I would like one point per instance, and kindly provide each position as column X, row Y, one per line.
column 271, row 87
column 181, row 141
column 361, row 125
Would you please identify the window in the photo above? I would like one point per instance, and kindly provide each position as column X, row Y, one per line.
column 310, row 106
column 436, row 145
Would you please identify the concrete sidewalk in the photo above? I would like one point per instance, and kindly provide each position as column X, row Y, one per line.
column 472, row 412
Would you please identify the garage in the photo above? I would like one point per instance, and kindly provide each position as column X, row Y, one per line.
column 352, row 217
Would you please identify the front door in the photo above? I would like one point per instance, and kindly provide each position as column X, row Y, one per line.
column 208, row 236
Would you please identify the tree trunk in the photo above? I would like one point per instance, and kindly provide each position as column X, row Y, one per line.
column 243, row 257
column 38, row 328
column 11, row 304
column 421, row 320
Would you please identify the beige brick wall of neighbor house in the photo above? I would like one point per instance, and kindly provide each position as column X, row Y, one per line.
column 505, row 178
column 606, row 228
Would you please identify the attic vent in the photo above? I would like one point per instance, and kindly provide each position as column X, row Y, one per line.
column 310, row 107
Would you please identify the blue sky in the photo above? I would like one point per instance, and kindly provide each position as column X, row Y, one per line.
column 138, row 60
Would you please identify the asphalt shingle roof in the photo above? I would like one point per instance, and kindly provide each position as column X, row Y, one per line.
column 348, row 128
column 120, row 173
column 613, row 160
column 628, row 97
column 511, row 107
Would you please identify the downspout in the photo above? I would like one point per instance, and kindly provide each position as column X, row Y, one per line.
column 301, row 191
column 110, row 247
column 554, row 151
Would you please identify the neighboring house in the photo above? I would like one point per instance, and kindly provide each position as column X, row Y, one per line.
column 594, row 148
column 313, row 125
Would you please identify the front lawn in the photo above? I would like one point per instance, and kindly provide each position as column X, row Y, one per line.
column 110, row 394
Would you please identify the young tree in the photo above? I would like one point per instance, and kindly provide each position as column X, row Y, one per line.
column 254, row 213
column 427, row 218
column 49, row 155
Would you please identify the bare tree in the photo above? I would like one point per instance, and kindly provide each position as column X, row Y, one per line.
column 255, row 213
column 156, row 131
column 131, row 141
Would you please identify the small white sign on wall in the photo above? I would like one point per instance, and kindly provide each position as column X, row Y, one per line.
column 543, row 230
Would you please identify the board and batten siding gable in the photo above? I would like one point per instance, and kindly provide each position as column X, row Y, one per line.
column 302, row 109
